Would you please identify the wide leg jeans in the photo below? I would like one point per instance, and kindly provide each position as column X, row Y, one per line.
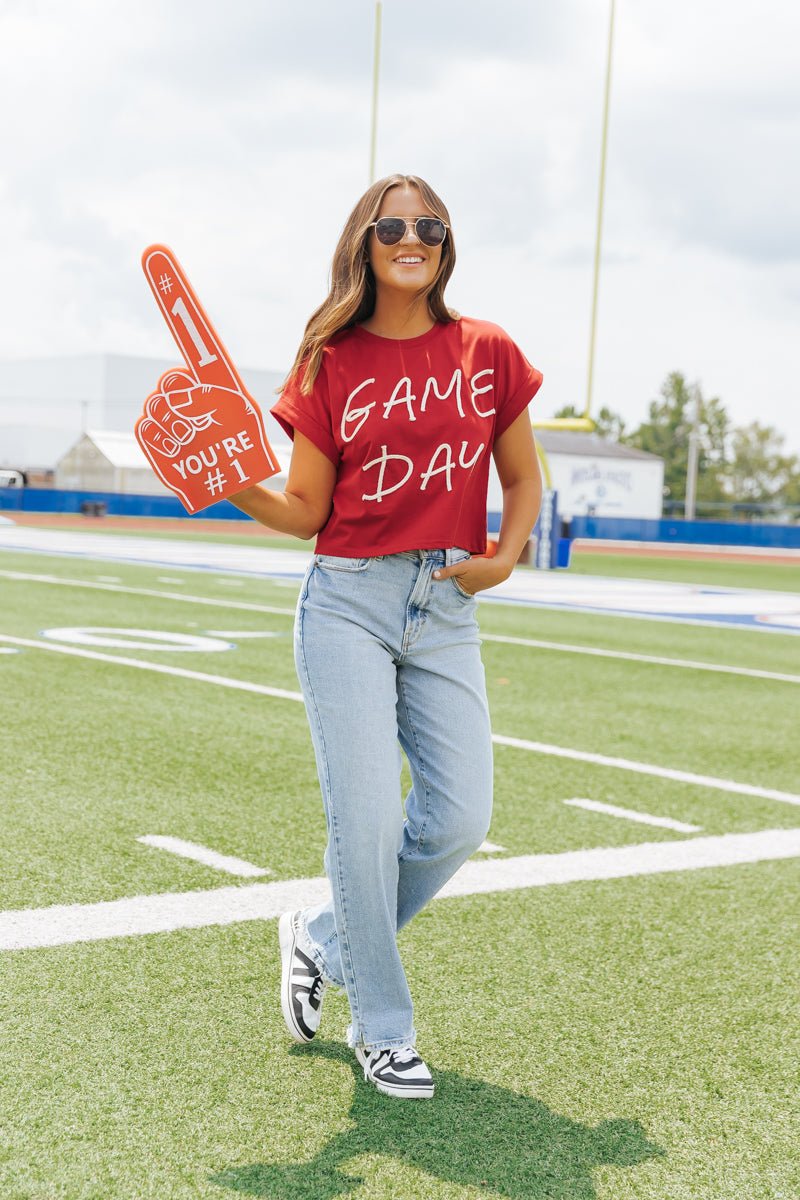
column 389, row 657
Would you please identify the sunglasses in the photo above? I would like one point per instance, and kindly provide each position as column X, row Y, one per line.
column 391, row 230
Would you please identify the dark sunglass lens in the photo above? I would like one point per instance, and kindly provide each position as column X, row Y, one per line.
column 389, row 230
column 431, row 231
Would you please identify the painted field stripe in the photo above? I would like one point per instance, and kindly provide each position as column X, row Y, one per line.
column 23, row 577
column 628, row 814
column 625, row 764
column 64, row 924
column 490, row 848
column 202, row 854
column 238, row 635
column 686, row 663
column 535, row 643
column 602, row 760
column 241, row 685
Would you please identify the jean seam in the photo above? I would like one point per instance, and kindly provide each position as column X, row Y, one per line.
column 344, row 949
column 321, row 560
column 391, row 1043
column 309, row 947
column 420, row 765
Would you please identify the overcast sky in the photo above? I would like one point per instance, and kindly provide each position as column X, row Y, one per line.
column 238, row 133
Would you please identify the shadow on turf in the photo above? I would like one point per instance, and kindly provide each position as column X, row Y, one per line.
column 472, row 1133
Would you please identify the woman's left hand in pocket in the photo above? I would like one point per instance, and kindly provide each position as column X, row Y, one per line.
column 475, row 574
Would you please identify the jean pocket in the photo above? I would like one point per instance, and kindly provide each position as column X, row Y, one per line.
column 334, row 562
column 460, row 591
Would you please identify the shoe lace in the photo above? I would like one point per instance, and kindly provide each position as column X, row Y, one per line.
column 405, row 1054
column 316, row 990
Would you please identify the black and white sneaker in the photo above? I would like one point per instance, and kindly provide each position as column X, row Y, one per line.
column 397, row 1072
column 302, row 985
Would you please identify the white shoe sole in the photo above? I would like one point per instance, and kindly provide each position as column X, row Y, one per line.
column 415, row 1092
column 287, row 939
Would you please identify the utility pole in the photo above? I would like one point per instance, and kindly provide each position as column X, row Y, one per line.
column 376, row 62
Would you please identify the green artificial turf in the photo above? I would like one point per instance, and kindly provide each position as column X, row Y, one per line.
column 710, row 572
column 589, row 1041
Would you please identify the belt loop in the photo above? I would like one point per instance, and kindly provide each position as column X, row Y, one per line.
column 448, row 557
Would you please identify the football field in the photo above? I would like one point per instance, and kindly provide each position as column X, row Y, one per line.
column 606, row 994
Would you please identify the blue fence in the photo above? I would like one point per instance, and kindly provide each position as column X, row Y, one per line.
column 708, row 533
column 701, row 533
column 115, row 505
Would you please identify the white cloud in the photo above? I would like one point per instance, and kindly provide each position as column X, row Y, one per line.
column 239, row 135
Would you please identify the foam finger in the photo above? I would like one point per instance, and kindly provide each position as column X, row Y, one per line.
column 198, row 341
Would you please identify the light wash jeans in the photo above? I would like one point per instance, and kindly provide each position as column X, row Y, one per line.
column 387, row 654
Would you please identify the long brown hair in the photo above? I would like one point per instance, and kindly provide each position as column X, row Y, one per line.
column 351, row 298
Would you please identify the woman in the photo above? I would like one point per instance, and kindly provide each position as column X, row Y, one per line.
column 394, row 404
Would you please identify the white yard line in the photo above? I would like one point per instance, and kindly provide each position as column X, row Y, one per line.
column 202, row 854
column 241, row 685
column 131, row 591
column 657, row 660
column 490, row 848
column 623, row 764
column 628, row 814
column 68, row 923
column 534, row 643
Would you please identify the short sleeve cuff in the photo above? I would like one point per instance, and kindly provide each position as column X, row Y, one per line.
column 518, row 402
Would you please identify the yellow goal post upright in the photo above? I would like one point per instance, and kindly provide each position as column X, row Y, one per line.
column 548, row 556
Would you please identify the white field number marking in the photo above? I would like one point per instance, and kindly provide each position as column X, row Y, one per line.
column 63, row 924
column 534, row 643
column 135, row 639
column 628, row 814
column 202, row 854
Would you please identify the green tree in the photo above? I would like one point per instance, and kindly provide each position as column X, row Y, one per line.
column 759, row 471
column 666, row 433
column 610, row 425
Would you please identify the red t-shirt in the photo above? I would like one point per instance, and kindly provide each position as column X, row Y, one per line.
column 409, row 425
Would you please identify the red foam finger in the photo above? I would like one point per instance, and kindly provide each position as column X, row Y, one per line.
column 176, row 380
column 198, row 341
column 170, row 421
column 201, row 431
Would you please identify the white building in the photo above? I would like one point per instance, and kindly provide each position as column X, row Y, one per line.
column 113, row 461
column 47, row 403
column 107, row 461
column 596, row 477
